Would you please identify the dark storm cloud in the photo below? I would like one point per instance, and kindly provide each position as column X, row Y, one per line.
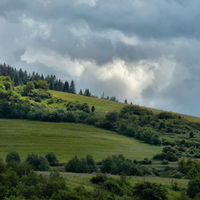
column 146, row 51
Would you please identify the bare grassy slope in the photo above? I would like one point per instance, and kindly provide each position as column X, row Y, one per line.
column 67, row 140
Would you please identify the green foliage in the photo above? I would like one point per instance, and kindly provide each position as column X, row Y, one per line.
column 148, row 135
column 175, row 186
column 169, row 156
column 99, row 178
column 41, row 84
column 93, row 109
column 52, row 159
column 28, row 88
column 119, row 187
column 87, row 93
column 39, row 94
column 193, row 187
column 150, row 191
column 135, row 170
column 116, row 164
column 190, row 168
column 66, row 87
column 82, row 165
column 72, row 88
column 112, row 186
column 12, row 157
column 6, row 83
column 183, row 196
column 112, row 116
column 134, row 110
column 38, row 162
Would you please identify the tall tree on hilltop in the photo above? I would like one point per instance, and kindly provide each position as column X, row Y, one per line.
column 60, row 85
column 66, row 87
column 81, row 93
column 87, row 93
column 72, row 88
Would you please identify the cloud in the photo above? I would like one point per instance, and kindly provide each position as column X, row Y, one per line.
column 143, row 51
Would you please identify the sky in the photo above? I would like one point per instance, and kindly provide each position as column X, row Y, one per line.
column 145, row 51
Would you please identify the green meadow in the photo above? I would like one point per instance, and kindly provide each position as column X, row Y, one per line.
column 67, row 140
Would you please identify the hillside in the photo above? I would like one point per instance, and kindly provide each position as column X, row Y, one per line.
column 108, row 137
column 106, row 105
column 67, row 140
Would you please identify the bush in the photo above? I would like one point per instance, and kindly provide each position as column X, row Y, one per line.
column 193, row 187
column 13, row 157
column 135, row 171
column 39, row 94
column 51, row 157
column 167, row 115
column 83, row 165
column 99, row 178
column 150, row 191
column 113, row 186
column 148, row 135
column 116, row 165
column 38, row 162
column 164, row 162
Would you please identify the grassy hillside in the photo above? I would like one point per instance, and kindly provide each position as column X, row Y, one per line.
column 106, row 105
column 67, row 140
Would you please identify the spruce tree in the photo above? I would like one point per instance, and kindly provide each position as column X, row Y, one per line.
column 87, row 93
column 81, row 93
column 72, row 88
column 66, row 87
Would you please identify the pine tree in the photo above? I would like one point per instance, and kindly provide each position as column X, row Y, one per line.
column 66, row 87
column 72, row 88
column 87, row 93
column 81, row 93
column 60, row 85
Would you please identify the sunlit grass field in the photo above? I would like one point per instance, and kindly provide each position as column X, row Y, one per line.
column 67, row 140
column 106, row 105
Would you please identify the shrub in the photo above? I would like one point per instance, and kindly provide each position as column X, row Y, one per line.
column 51, row 157
column 164, row 162
column 12, row 157
column 150, row 191
column 193, row 187
column 83, row 165
column 38, row 162
column 99, row 178
column 116, row 165
column 113, row 186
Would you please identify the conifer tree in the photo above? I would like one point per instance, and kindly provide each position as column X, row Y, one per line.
column 66, row 87
column 81, row 93
column 87, row 93
column 72, row 88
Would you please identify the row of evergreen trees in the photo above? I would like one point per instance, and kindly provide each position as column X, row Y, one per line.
column 21, row 77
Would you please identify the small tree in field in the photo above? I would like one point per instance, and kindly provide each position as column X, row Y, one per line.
column 93, row 109
column 13, row 157
column 38, row 162
column 51, row 157
column 150, row 191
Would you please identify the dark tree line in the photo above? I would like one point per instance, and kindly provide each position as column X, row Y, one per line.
column 21, row 77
